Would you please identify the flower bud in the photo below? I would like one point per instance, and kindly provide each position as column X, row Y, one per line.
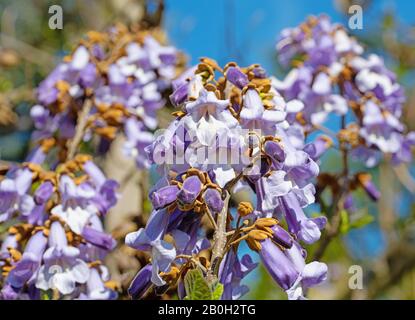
column 245, row 208
column 365, row 180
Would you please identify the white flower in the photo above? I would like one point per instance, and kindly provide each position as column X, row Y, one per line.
column 76, row 218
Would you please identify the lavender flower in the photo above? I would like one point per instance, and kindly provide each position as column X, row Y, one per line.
column 332, row 76
column 58, row 243
column 289, row 269
column 122, row 76
column 231, row 133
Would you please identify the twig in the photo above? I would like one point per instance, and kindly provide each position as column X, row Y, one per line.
column 18, row 94
column 28, row 52
column 184, row 256
column 219, row 240
column 405, row 178
column 333, row 228
column 211, row 219
column 80, row 129
column 399, row 260
column 228, row 186
column 325, row 130
column 332, row 231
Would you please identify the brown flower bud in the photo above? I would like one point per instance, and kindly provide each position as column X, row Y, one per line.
column 258, row 234
column 245, row 208
column 62, row 86
column 107, row 132
column 266, row 222
column 15, row 254
column 212, row 63
column 171, row 276
column 253, row 244
column 47, row 144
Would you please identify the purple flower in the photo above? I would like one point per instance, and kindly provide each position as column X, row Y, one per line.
column 237, row 77
column 232, row 271
column 367, row 184
column 43, row 193
column 96, row 289
column 98, row 238
column 124, row 98
column 275, row 151
column 323, row 45
column 189, row 191
column 62, row 268
column 150, row 239
column 255, row 116
column 137, row 139
column 234, row 133
column 164, row 196
column 141, row 282
column 213, row 200
column 281, row 236
column 288, row 268
column 318, row 147
column 307, row 229
column 404, row 154
column 14, row 197
column 269, row 189
column 333, row 77
column 29, row 264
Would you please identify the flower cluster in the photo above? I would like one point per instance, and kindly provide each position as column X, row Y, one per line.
column 113, row 81
column 233, row 131
column 56, row 244
column 332, row 76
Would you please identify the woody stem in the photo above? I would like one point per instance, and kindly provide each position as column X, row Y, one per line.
column 333, row 227
column 219, row 240
column 211, row 219
column 82, row 123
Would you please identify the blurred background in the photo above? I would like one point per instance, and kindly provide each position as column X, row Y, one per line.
column 382, row 242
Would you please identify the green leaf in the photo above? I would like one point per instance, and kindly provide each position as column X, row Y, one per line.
column 46, row 295
column 217, row 292
column 362, row 221
column 147, row 206
column 35, row 185
column 344, row 221
column 196, row 286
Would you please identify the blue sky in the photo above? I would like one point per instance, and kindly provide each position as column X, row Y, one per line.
column 245, row 30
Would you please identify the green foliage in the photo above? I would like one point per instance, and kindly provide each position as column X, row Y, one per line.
column 344, row 224
column 217, row 291
column 362, row 221
column 197, row 288
column 347, row 224
column 7, row 224
column 46, row 295
column 147, row 206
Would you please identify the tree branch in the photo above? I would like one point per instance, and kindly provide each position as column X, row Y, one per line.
column 219, row 240
column 333, row 227
column 82, row 123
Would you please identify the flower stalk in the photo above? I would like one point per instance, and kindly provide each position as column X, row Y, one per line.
column 80, row 129
column 219, row 240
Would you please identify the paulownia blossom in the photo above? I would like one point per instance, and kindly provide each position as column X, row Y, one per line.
column 333, row 78
column 114, row 81
column 56, row 244
column 232, row 131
